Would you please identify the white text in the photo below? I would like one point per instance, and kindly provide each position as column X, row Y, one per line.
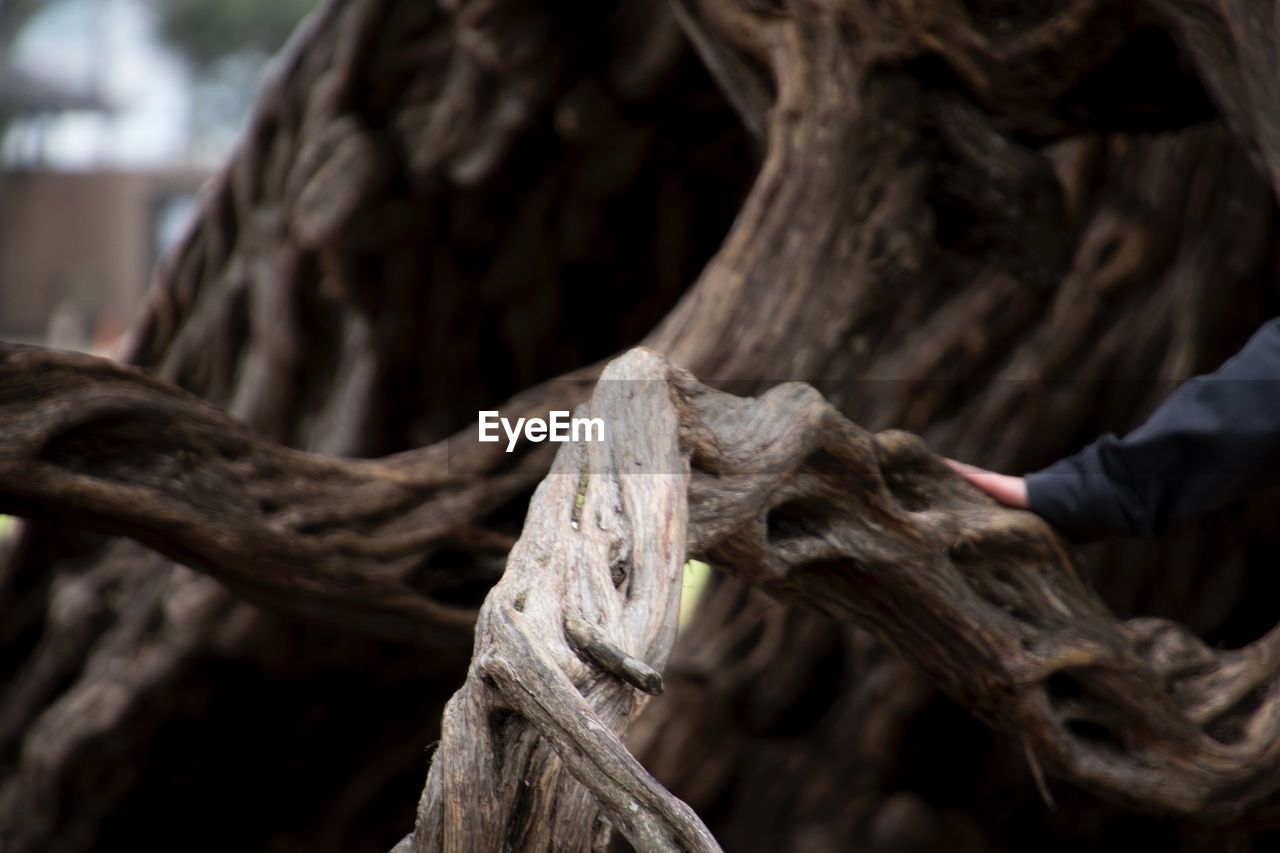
column 560, row 427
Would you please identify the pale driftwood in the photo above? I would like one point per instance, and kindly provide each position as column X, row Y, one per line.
column 566, row 642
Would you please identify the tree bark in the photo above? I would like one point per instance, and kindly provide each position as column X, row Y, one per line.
column 1004, row 229
column 523, row 156
column 790, row 497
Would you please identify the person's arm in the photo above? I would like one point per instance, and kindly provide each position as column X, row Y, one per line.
column 1215, row 439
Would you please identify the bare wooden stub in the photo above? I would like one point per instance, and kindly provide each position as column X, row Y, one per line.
column 581, row 622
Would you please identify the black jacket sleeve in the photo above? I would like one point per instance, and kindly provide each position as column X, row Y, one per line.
column 1215, row 439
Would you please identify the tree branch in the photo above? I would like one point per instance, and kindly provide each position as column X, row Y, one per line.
column 791, row 497
column 578, row 600
column 112, row 448
column 785, row 494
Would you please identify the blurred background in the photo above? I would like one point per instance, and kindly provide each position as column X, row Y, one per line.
column 112, row 115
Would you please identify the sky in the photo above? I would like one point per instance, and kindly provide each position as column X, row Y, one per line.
column 111, row 46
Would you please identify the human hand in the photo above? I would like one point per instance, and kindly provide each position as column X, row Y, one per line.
column 1008, row 490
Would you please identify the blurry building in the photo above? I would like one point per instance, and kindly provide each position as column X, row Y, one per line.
column 76, row 248
column 94, row 181
column 76, row 245
column 112, row 113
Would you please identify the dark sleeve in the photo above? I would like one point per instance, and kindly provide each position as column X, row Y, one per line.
column 1215, row 439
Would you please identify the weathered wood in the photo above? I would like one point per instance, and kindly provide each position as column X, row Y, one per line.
column 982, row 347
column 1235, row 45
column 578, row 627
column 789, row 496
column 948, row 197
column 113, row 448
column 519, row 151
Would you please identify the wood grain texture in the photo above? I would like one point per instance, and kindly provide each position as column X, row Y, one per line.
column 780, row 491
column 113, row 448
column 789, row 496
column 531, row 756
column 1004, row 227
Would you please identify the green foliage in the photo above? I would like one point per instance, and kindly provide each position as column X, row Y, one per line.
column 696, row 575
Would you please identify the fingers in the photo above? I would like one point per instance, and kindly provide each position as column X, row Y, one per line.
column 1008, row 490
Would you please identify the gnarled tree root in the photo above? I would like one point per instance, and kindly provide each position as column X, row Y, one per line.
column 788, row 495
column 791, row 497
column 781, row 491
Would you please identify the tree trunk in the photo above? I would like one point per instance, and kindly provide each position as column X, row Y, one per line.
column 1005, row 230
column 514, row 204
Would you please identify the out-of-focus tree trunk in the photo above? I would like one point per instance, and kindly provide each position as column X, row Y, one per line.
column 1006, row 230
column 428, row 212
column 851, row 746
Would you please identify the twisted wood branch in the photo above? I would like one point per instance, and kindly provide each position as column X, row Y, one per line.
column 793, row 498
column 799, row 192
column 788, row 495
column 112, row 448
column 783, row 492
column 567, row 645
